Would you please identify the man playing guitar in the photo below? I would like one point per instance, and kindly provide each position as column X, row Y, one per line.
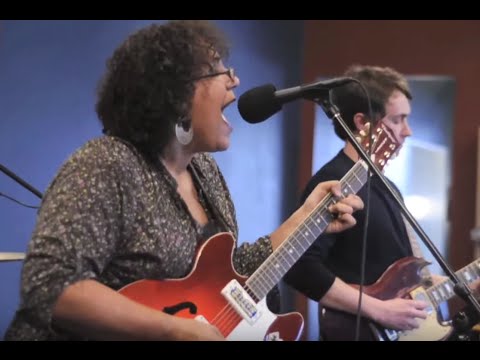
column 335, row 257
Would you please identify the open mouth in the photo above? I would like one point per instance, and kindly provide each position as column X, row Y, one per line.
column 224, row 118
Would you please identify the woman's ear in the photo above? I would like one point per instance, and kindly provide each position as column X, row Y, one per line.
column 360, row 120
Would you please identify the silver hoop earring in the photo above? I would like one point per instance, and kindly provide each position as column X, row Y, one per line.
column 184, row 137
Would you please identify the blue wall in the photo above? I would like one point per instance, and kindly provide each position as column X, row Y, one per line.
column 48, row 74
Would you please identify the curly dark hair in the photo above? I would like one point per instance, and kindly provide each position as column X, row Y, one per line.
column 148, row 87
column 380, row 82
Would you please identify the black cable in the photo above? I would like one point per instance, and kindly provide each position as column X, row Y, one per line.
column 367, row 212
column 18, row 202
column 19, row 180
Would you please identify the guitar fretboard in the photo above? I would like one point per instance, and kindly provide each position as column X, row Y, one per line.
column 282, row 259
column 444, row 290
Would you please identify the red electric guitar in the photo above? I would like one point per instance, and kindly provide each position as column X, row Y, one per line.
column 215, row 293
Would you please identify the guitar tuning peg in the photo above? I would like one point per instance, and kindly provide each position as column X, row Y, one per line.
column 367, row 126
column 363, row 133
column 358, row 138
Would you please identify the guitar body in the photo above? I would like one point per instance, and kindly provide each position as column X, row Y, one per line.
column 199, row 296
column 401, row 279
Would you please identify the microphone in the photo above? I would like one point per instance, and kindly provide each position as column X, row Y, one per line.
column 259, row 103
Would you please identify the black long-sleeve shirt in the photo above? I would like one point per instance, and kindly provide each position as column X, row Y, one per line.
column 339, row 255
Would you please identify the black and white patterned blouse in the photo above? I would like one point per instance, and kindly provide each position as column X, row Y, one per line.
column 111, row 216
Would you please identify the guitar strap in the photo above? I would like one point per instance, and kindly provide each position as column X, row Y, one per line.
column 412, row 236
column 414, row 244
column 416, row 250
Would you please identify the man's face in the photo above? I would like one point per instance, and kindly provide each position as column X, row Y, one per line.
column 397, row 111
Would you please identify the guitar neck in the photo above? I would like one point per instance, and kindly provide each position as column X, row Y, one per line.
column 282, row 259
column 444, row 290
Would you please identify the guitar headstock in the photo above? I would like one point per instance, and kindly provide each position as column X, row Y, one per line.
column 384, row 146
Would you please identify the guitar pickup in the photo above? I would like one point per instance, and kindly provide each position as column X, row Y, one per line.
column 241, row 301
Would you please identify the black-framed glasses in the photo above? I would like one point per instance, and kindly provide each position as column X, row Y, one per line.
column 230, row 72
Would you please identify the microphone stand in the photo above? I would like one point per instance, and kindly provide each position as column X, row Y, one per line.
column 20, row 181
column 462, row 322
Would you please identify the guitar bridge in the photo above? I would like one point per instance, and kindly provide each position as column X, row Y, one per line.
column 241, row 301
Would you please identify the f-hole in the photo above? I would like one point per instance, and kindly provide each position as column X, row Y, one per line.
column 172, row 310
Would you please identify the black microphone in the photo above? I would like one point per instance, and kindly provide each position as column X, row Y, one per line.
column 259, row 103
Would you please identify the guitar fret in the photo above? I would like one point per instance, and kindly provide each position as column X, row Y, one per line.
column 284, row 257
column 289, row 252
column 434, row 302
column 351, row 189
column 449, row 288
column 436, row 296
column 300, row 243
column 441, row 292
column 259, row 286
column 288, row 259
column 309, row 231
column 472, row 271
column 269, row 278
column 325, row 222
column 467, row 276
column 475, row 268
column 359, row 180
column 312, row 226
column 279, row 263
column 292, row 251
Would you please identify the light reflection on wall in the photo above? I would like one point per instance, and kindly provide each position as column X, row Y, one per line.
column 419, row 206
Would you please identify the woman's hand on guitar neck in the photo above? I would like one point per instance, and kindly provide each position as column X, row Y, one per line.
column 342, row 209
column 399, row 313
